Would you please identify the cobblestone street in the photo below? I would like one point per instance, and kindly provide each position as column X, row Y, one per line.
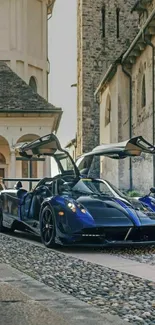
column 110, row 291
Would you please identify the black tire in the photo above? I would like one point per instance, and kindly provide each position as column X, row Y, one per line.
column 47, row 227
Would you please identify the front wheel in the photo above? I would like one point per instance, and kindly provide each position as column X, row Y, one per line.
column 47, row 227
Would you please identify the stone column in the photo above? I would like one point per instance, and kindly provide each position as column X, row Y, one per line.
column 12, row 173
column 47, row 167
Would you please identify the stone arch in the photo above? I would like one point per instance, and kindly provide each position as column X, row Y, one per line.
column 5, row 149
column 33, row 83
column 27, row 137
column 25, row 165
column 4, row 157
column 108, row 110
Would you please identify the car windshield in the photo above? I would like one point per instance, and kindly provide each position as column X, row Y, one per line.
column 62, row 160
column 66, row 163
column 91, row 186
column 115, row 189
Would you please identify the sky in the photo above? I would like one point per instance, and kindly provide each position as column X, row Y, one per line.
column 62, row 44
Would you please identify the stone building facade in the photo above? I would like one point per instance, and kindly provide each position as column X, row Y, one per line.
column 25, row 113
column 71, row 147
column 127, row 104
column 104, row 30
column 23, row 40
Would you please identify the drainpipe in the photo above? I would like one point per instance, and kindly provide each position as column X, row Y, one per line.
column 153, row 99
column 147, row 13
column 130, row 120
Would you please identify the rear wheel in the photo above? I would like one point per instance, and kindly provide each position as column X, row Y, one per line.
column 47, row 227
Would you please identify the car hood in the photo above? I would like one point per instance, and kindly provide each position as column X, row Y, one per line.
column 115, row 212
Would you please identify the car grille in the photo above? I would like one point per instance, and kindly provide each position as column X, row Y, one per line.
column 111, row 233
column 142, row 234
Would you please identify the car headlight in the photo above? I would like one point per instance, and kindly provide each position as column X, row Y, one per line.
column 81, row 207
column 74, row 207
column 71, row 206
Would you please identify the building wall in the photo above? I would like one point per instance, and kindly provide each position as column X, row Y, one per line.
column 123, row 125
column 19, row 130
column 142, row 118
column 72, row 151
column 13, row 128
column 149, row 5
column 142, row 167
column 24, row 47
column 23, row 39
column 95, row 53
column 109, row 133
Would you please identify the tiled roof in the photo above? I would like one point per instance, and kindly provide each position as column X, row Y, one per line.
column 16, row 95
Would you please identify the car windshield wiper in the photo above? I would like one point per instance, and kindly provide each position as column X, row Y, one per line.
column 103, row 194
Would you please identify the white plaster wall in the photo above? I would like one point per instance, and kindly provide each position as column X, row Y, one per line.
column 123, row 125
column 35, row 23
column 142, row 120
column 23, row 39
column 23, row 46
column 109, row 134
column 72, row 151
column 13, row 128
column 4, row 26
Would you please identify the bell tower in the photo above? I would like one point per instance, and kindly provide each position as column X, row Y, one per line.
column 105, row 28
column 24, row 40
column 25, row 113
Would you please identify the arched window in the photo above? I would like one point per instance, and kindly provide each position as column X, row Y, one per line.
column 103, row 21
column 108, row 111
column 25, row 169
column 2, row 159
column 117, row 21
column 33, row 84
column 143, row 92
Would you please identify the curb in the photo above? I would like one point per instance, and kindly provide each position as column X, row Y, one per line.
column 66, row 306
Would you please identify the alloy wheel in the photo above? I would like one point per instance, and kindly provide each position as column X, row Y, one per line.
column 47, row 227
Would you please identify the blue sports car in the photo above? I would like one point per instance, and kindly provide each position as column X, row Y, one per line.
column 69, row 209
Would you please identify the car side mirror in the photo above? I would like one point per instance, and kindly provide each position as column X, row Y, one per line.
column 37, row 191
column 65, row 186
column 21, row 192
column 152, row 190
